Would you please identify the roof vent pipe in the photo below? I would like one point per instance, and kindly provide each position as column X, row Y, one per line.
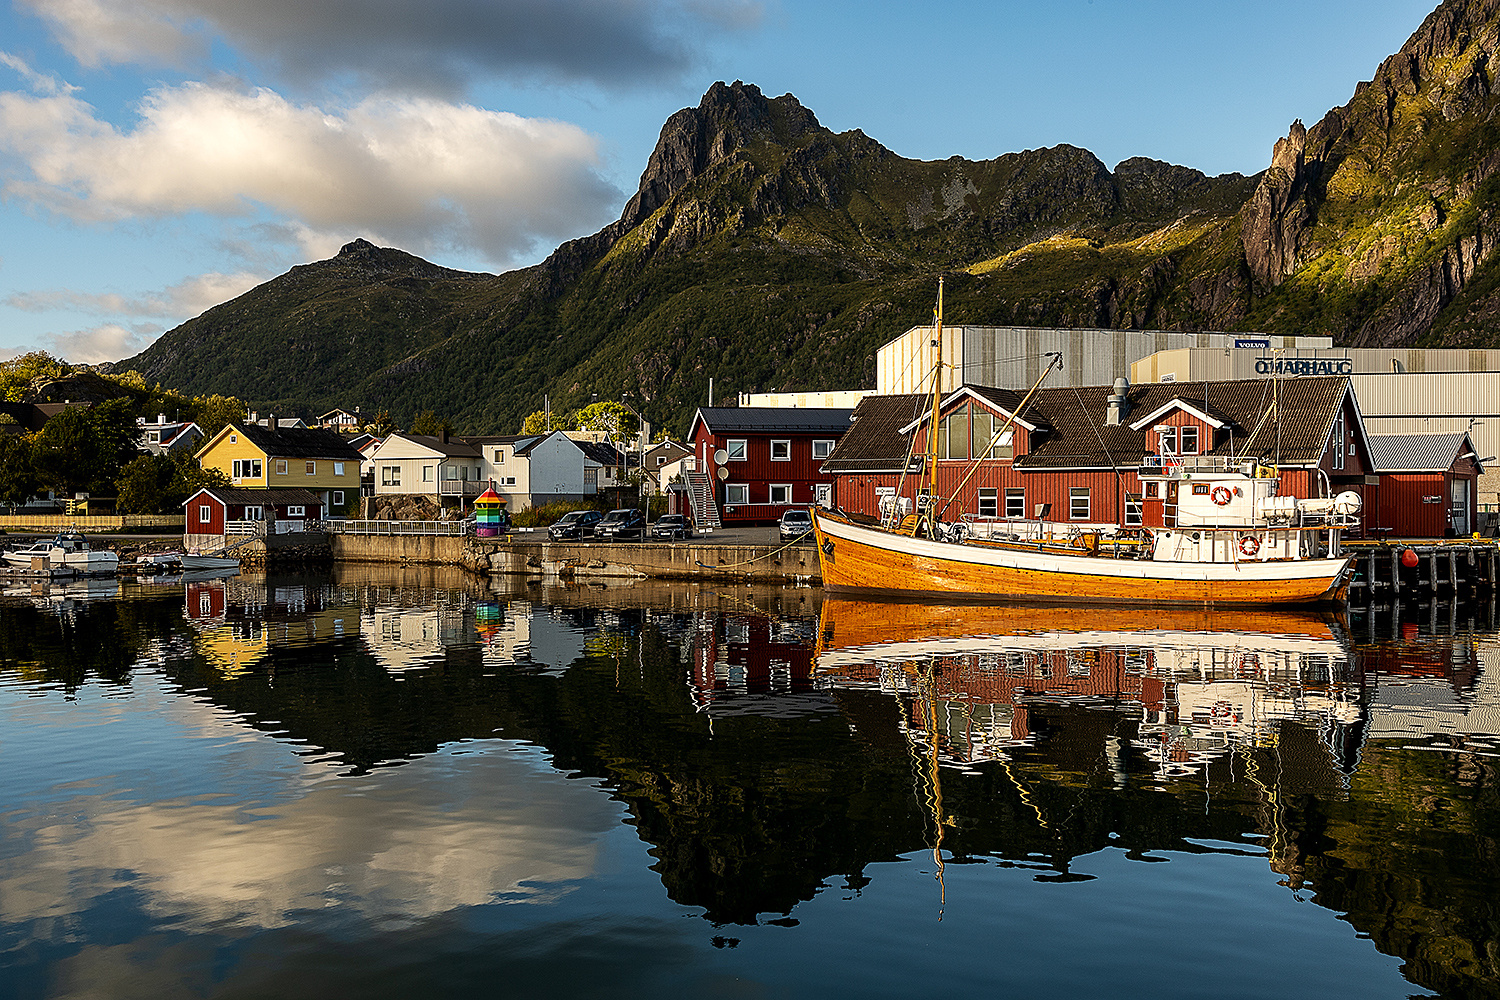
column 1117, row 405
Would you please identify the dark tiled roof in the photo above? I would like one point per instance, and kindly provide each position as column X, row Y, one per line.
column 300, row 442
column 773, row 419
column 874, row 442
column 1416, row 452
column 452, row 448
column 1074, row 434
column 604, row 454
column 264, row 498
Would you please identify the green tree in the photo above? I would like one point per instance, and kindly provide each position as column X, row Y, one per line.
column 17, row 374
column 161, row 484
column 430, row 423
column 18, row 480
column 536, row 423
column 83, row 448
column 380, row 425
column 212, row 413
column 610, row 417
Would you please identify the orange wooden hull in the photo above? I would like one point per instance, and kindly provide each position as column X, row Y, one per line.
column 859, row 559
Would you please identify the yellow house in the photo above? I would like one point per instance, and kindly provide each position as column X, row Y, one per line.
column 309, row 458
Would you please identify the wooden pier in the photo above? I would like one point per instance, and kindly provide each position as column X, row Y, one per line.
column 1417, row 567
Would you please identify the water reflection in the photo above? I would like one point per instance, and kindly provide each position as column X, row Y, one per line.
column 410, row 770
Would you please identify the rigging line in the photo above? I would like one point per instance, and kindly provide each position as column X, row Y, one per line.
column 1056, row 357
column 911, row 450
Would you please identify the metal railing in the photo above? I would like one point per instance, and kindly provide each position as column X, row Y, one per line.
column 447, row 528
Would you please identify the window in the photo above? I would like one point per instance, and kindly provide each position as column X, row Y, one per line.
column 312, row 468
column 736, row 493
column 205, row 513
column 281, row 466
column 591, row 477
column 338, row 468
column 451, row 472
column 661, row 460
column 246, row 468
column 426, row 473
column 390, row 475
column 1015, row 503
column 296, row 511
column 989, row 502
column 338, row 498
column 1200, row 489
column 1132, row 509
column 1187, row 440
column 499, row 456
column 234, row 439
column 781, row 493
column 781, row 451
column 822, row 449
column 1168, row 440
column 508, row 481
column 953, row 435
column 735, row 449
column 1078, row 503
column 154, row 437
column 255, row 514
column 824, row 493
column 1338, row 440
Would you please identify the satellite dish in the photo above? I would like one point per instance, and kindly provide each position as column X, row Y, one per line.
column 723, row 472
column 721, row 456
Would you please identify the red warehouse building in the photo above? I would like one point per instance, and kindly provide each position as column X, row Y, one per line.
column 1428, row 485
column 1077, row 455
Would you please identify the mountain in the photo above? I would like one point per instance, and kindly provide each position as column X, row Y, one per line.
column 770, row 253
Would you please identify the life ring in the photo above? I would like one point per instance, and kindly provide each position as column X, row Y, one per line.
column 1249, row 545
column 1221, row 496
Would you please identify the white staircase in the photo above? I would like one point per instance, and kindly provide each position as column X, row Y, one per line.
column 705, row 508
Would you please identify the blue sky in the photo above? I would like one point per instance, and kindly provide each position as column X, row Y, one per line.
column 160, row 156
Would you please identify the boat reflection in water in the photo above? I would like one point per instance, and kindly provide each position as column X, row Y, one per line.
column 1198, row 683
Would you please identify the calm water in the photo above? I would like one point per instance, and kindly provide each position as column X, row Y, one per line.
column 404, row 784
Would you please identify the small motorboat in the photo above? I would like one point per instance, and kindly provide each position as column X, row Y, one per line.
column 195, row 561
column 69, row 551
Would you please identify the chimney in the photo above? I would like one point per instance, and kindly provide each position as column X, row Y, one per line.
column 1117, row 408
column 443, row 435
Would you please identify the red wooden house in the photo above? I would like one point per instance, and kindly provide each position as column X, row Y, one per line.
column 214, row 514
column 1428, row 485
column 762, row 461
column 1092, row 455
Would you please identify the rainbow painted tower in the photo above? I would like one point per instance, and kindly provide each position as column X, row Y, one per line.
column 489, row 514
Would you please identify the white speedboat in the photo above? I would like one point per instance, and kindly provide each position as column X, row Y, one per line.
column 69, row 551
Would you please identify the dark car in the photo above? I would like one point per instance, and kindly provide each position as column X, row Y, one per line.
column 574, row 524
column 628, row 523
column 672, row 526
column 794, row 524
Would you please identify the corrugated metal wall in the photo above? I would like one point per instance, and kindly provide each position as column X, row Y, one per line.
column 1011, row 356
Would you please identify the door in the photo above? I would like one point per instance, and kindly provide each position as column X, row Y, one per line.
column 1169, row 509
column 1458, row 510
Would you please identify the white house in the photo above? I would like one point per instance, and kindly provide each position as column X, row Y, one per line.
column 438, row 466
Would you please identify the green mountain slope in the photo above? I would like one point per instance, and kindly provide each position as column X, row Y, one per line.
column 767, row 252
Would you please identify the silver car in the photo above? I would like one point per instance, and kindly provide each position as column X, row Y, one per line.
column 795, row 524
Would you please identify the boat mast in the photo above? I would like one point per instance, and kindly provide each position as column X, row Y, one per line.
column 937, row 395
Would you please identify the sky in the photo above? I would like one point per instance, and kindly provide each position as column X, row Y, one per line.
column 158, row 157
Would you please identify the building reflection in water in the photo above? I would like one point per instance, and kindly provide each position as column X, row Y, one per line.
column 1198, row 685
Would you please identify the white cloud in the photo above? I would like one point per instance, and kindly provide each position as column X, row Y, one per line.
column 107, row 342
column 42, row 83
column 438, row 46
column 186, row 298
column 423, row 174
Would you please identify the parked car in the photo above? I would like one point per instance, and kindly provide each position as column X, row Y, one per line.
column 672, row 526
column 574, row 524
column 627, row 523
column 795, row 524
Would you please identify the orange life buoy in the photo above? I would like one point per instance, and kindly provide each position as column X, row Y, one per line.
column 1249, row 545
column 1221, row 496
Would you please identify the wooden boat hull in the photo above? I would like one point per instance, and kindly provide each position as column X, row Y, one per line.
column 859, row 559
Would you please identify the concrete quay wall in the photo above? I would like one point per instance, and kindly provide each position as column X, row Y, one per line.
column 581, row 560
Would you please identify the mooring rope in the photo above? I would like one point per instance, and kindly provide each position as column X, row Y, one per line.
column 747, row 562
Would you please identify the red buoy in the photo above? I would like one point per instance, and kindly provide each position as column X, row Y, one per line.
column 1408, row 558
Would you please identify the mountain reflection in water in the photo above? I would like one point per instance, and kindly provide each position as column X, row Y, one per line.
column 403, row 781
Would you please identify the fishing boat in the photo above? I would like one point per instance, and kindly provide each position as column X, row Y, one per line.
column 1220, row 533
column 69, row 552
